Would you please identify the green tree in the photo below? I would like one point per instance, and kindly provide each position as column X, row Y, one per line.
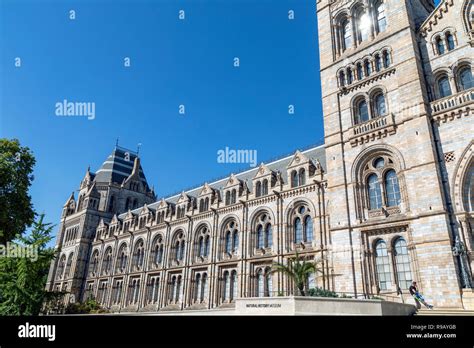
column 299, row 270
column 23, row 278
column 16, row 209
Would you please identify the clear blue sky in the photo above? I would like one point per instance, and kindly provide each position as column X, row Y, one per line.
column 173, row 62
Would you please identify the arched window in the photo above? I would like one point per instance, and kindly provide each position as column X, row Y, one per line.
column 465, row 79
column 298, row 230
column 268, row 284
column 181, row 250
column 380, row 108
column 368, row 68
column 342, row 79
column 350, row 79
column 268, row 236
column 386, row 59
column 107, row 262
column 381, row 16
column 444, row 87
column 226, row 286
column 308, row 229
column 68, row 266
column 392, row 189
column 234, row 196
column 227, row 198
column 198, row 287
column 360, row 72
column 228, row 243
column 440, row 45
column 382, row 262
column 138, row 255
column 362, row 26
column 302, row 177
column 201, row 205
column 94, row 264
column 402, row 262
column 346, row 34
column 259, row 237
column 265, row 187
column 235, row 241
column 206, row 246
column 234, row 285
column 201, row 246
column 362, row 111
column 375, row 194
column 258, row 189
column 122, row 258
column 294, row 179
column 260, row 284
column 378, row 63
column 450, row 41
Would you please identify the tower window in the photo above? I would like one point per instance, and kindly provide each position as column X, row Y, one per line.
column 381, row 16
column 444, row 87
column 440, row 45
column 346, row 34
column 450, row 41
column 465, row 79
column 379, row 107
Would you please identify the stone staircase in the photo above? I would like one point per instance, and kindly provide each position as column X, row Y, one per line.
column 445, row 312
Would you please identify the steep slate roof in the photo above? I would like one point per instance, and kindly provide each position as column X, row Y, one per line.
column 315, row 153
column 116, row 168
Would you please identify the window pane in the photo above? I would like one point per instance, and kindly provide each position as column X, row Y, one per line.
column 466, row 79
column 444, row 87
column 381, row 18
column 298, row 231
column 347, row 34
column 260, row 237
column 362, row 112
column 383, row 266
column 402, row 261
column 392, row 188
column 308, row 222
column 380, row 108
column 450, row 40
column 268, row 236
column 375, row 194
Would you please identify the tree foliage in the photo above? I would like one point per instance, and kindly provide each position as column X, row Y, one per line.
column 23, row 278
column 16, row 209
column 299, row 270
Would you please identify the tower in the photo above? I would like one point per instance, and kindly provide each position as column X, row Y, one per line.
column 389, row 216
column 118, row 186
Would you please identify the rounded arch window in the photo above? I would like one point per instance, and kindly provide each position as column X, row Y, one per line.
column 264, row 232
column 402, row 262
column 440, row 45
column 360, row 71
column 444, row 87
column 380, row 107
column 230, row 238
column 362, row 111
column 368, row 68
column 386, row 59
column 465, row 79
column 346, row 34
column 375, row 192
column 450, row 41
column 302, row 225
column 381, row 16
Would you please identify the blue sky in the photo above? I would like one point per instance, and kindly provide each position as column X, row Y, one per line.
column 173, row 62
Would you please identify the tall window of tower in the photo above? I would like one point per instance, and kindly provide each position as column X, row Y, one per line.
column 402, row 263
column 440, row 45
column 465, row 79
column 382, row 262
column 375, row 192
column 381, row 16
column 360, row 72
column 265, row 187
column 346, row 34
column 368, row 68
column 379, row 105
column 444, row 87
column 363, row 24
column 342, row 79
column 258, row 189
column 362, row 111
column 386, row 59
column 378, row 63
column 450, row 41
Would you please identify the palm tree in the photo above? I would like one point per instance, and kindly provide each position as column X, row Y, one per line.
column 298, row 270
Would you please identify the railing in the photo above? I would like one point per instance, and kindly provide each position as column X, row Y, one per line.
column 453, row 101
column 373, row 124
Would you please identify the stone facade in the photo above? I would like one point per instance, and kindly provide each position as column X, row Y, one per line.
column 383, row 202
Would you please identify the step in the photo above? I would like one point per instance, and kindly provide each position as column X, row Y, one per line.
column 445, row 311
